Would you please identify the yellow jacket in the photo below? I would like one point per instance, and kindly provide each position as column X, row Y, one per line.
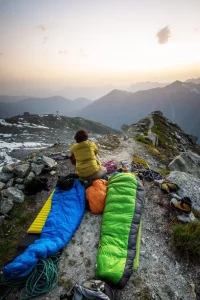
column 87, row 163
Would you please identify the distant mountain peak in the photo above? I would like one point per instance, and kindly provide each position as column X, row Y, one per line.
column 175, row 83
column 117, row 92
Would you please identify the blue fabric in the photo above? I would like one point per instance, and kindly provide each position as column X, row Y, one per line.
column 64, row 218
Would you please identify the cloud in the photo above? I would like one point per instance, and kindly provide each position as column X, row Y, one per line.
column 163, row 35
column 45, row 39
column 82, row 53
column 63, row 52
column 41, row 27
column 196, row 29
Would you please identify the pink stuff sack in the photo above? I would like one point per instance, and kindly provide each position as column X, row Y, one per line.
column 110, row 166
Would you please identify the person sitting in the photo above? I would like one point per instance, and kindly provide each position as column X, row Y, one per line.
column 88, row 166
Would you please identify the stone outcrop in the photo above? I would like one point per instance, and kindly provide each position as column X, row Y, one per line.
column 187, row 162
column 14, row 179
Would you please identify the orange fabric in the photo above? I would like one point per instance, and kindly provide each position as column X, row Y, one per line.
column 96, row 195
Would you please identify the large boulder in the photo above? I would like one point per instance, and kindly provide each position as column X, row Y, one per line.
column 187, row 162
column 8, row 197
column 37, row 168
column 21, row 170
column 189, row 186
column 13, row 194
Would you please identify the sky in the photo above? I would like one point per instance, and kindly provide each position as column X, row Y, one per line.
column 49, row 45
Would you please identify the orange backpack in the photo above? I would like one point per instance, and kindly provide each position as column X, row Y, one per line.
column 96, row 195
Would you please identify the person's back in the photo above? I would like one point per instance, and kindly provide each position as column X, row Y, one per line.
column 86, row 161
column 87, row 164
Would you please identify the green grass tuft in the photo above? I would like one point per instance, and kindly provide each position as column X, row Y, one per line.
column 186, row 238
column 140, row 160
column 143, row 139
column 164, row 172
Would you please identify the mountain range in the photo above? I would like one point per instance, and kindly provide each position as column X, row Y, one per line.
column 49, row 105
column 179, row 102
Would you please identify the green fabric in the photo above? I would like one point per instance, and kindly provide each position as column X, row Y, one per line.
column 116, row 224
column 137, row 256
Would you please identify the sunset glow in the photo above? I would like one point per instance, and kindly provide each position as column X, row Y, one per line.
column 62, row 43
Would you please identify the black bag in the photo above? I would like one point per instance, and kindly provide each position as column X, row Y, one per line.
column 66, row 182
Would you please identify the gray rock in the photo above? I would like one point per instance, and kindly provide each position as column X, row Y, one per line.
column 2, row 184
column 13, row 194
column 189, row 186
column 9, row 183
column 186, row 219
column 29, row 178
column 49, row 162
column 20, row 187
column 19, row 180
column 21, row 170
column 188, row 162
column 7, row 169
column 5, row 177
column 53, row 172
column 37, row 169
column 5, row 203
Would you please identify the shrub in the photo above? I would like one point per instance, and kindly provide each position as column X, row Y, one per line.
column 186, row 238
column 140, row 160
column 164, row 172
column 143, row 140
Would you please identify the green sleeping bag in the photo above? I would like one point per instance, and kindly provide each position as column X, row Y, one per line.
column 119, row 229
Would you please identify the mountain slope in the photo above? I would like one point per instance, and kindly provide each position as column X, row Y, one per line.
column 140, row 86
column 59, row 122
column 179, row 102
column 49, row 105
column 194, row 80
column 11, row 99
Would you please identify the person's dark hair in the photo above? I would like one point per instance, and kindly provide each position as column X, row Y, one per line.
column 81, row 136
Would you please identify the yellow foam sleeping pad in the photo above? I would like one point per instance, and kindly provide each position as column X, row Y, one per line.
column 38, row 223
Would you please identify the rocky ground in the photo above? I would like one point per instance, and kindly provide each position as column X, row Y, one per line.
column 162, row 274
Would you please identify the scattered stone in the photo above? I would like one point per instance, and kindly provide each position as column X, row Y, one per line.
column 37, row 169
column 29, row 178
column 188, row 162
column 186, row 219
column 2, row 184
column 9, row 183
column 5, row 203
column 13, row 194
column 21, row 170
column 49, row 161
column 5, row 177
column 53, row 172
column 19, row 180
column 7, row 169
column 20, row 187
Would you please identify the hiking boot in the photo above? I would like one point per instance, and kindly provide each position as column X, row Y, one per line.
column 184, row 205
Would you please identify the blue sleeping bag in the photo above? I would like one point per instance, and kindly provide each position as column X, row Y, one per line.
column 64, row 218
